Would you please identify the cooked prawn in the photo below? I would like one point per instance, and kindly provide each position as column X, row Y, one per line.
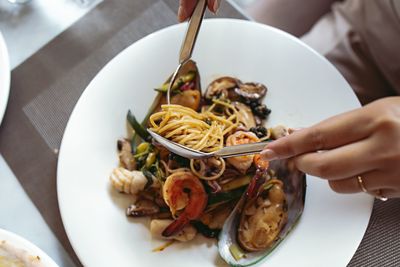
column 260, row 163
column 183, row 191
column 242, row 163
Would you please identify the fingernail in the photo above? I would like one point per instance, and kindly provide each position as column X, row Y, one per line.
column 268, row 154
column 216, row 6
column 181, row 14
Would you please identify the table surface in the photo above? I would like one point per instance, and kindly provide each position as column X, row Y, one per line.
column 27, row 28
column 68, row 42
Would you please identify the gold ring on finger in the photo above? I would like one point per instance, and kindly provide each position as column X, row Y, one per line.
column 361, row 184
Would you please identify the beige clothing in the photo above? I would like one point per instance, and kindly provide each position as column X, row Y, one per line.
column 362, row 39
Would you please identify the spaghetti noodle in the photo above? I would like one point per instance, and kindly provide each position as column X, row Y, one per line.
column 202, row 131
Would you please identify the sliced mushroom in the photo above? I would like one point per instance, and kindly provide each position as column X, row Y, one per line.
column 126, row 157
column 251, row 91
column 158, row 226
column 222, row 88
column 142, row 207
column 245, row 115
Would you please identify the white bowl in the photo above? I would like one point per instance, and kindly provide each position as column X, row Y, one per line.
column 4, row 77
column 304, row 88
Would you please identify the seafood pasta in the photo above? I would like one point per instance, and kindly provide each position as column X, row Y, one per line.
column 187, row 197
column 203, row 131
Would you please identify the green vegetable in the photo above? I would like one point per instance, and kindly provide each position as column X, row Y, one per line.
column 149, row 176
column 165, row 90
column 268, row 186
column 182, row 162
column 151, row 158
column 143, row 148
column 205, row 230
column 157, row 171
column 133, row 143
column 141, row 156
column 178, row 83
column 236, row 252
column 236, row 183
column 188, row 77
column 225, row 196
column 139, row 129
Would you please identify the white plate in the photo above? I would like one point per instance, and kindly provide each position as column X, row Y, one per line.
column 303, row 89
column 4, row 77
column 20, row 243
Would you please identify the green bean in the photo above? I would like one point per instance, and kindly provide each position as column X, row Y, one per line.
column 139, row 129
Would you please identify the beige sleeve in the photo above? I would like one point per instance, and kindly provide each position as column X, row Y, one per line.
column 293, row 16
column 335, row 38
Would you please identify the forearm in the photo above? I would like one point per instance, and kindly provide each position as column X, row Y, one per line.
column 293, row 16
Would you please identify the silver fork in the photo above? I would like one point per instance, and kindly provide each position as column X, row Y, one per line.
column 226, row 152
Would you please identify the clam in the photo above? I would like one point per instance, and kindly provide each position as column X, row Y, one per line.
column 263, row 217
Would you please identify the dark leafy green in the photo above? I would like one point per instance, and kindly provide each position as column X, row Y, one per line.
column 181, row 161
column 225, row 196
column 205, row 230
column 149, row 176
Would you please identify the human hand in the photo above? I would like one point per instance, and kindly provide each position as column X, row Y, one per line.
column 361, row 143
column 186, row 8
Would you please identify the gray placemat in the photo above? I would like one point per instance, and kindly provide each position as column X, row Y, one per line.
column 381, row 243
column 45, row 88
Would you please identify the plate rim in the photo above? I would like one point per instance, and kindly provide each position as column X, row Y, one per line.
column 5, row 84
column 20, row 242
column 149, row 36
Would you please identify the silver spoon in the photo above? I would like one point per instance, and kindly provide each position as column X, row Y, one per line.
column 189, row 41
column 226, row 152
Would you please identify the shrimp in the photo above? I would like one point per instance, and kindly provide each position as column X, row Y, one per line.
column 260, row 163
column 183, row 191
column 242, row 163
